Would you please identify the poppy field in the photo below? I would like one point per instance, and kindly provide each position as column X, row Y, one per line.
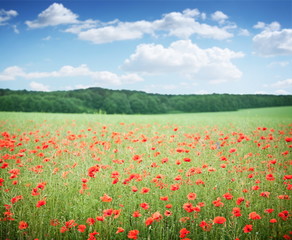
column 115, row 177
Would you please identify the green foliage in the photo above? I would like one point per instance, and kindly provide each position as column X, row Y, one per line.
column 94, row 100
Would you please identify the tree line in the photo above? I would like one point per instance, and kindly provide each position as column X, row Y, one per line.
column 93, row 100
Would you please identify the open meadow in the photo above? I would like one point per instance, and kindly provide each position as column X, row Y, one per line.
column 197, row 176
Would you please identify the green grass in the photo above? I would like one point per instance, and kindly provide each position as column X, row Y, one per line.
column 58, row 150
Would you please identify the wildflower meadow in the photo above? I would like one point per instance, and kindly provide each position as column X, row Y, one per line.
column 152, row 177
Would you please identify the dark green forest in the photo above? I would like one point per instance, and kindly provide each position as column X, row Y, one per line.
column 99, row 100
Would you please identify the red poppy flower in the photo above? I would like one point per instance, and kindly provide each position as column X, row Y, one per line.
column 133, row 234
column 100, row 218
column 120, row 229
column 236, row 212
column 239, row 200
column 90, row 221
column 136, row 214
column 219, row 220
column 91, row 235
column 286, row 197
column 149, row 221
column 167, row 213
column 192, row 196
column 145, row 190
column 22, row 225
column 71, row 223
column 254, row 216
column 247, row 228
column 41, row 203
column 232, row 150
column 269, row 210
column 200, row 181
column 16, row 199
column 187, row 159
column 255, row 188
column 64, row 229
column 174, row 187
column 183, row 233
column 54, row 222
column 164, row 198
column 144, row 205
column 188, row 207
column 106, row 198
column 157, row 216
column 270, row 177
column 218, row 203
column 284, row 215
column 287, row 237
column 227, row 196
column 1, row 181
column 286, row 177
column 265, row 194
column 81, row 228
column 205, row 226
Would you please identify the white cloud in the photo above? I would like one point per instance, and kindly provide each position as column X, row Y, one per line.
column 203, row 16
column 219, row 17
column 282, row 92
column 48, row 38
column 11, row 73
column 183, row 25
column 55, row 14
column 122, row 31
column 272, row 41
column 15, row 29
column 5, row 16
column 14, row 72
column 243, row 32
column 280, row 87
column 274, row 26
column 279, row 64
column 183, row 57
column 259, row 25
column 39, row 87
column 283, row 83
column 179, row 24
column 85, row 25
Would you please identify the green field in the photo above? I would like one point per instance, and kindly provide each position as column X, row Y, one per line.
column 197, row 176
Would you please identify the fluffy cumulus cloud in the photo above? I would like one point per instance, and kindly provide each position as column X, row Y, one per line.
column 11, row 73
column 5, row 16
column 105, row 77
column 55, row 14
column 185, row 24
column 273, row 40
column 219, row 17
column 39, row 87
column 283, row 83
column 118, row 32
column 179, row 24
column 186, row 58
column 282, row 87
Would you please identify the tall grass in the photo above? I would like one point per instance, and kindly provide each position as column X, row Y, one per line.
column 244, row 155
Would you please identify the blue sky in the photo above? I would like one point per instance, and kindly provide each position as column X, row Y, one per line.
column 156, row 46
